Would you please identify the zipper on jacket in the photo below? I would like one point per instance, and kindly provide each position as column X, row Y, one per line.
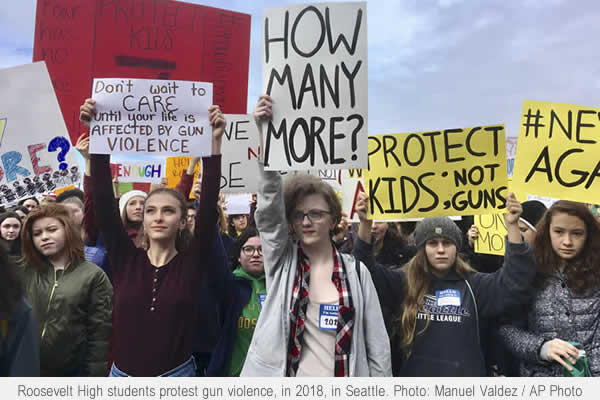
column 49, row 302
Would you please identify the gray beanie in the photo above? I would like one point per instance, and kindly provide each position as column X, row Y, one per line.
column 430, row 228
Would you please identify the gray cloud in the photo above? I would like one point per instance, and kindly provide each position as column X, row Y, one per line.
column 434, row 64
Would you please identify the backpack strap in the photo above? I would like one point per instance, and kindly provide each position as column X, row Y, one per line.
column 476, row 311
column 357, row 267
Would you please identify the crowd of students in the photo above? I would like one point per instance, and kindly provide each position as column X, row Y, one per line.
column 152, row 285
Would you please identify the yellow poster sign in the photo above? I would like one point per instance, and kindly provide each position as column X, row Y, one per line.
column 492, row 230
column 439, row 173
column 176, row 166
column 558, row 152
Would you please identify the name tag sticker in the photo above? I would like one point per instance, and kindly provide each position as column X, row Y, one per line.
column 261, row 299
column 448, row 297
column 328, row 316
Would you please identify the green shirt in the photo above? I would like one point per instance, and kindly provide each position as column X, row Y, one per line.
column 246, row 321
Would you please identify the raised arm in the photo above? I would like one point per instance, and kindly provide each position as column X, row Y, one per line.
column 89, row 215
column 187, row 178
column 390, row 283
column 206, row 212
column 116, row 241
column 510, row 285
column 270, row 216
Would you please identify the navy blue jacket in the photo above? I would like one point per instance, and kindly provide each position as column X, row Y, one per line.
column 20, row 349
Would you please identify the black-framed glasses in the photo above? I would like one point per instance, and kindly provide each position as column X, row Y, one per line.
column 314, row 215
column 249, row 251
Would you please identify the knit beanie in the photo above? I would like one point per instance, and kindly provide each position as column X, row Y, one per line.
column 128, row 196
column 533, row 211
column 431, row 228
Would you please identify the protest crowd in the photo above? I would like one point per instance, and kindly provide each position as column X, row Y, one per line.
column 168, row 282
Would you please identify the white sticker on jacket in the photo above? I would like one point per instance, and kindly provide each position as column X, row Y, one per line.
column 448, row 297
column 328, row 316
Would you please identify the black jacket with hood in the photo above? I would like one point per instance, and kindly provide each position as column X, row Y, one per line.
column 450, row 345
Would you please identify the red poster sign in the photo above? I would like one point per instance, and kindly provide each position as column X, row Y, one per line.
column 152, row 39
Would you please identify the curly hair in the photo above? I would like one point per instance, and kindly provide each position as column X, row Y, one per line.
column 299, row 186
column 582, row 272
column 73, row 240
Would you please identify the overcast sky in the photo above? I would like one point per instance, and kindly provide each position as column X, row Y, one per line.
column 434, row 64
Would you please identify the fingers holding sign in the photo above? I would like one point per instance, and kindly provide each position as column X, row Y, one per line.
column 511, row 218
column 263, row 110
column 217, row 121
column 472, row 235
column 87, row 111
column 364, row 227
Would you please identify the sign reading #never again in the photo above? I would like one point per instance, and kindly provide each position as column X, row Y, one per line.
column 440, row 173
column 152, row 117
column 315, row 69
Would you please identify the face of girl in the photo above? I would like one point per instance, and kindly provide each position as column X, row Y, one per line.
column 567, row 235
column 49, row 236
column 135, row 209
column 441, row 254
column 21, row 214
column 163, row 218
column 240, row 222
column 30, row 204
column 312, row 221
column 251, row 258
column 191, row 219
column 378, row 230
column 10, row 229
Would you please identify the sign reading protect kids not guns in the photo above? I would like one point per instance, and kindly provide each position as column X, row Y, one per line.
column 143, row 116
column 315, row 69
column 440, row 173
column 36, row 155
column 144, row 39
column 558, row 152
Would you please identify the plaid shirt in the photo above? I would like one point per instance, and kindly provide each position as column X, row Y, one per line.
column 298, row 308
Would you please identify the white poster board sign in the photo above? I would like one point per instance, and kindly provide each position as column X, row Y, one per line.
column 240, row 152
column 36, row 155
column 314, row 64
column 151, row 117
column 238, row 203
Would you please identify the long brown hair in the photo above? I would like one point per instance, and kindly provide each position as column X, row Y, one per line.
column 73, row 240
column 418, row 277
column 582, row 272
column 183, row 238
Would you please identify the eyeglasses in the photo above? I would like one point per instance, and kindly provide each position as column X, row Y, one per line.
column 249, row 251
column 314, row 215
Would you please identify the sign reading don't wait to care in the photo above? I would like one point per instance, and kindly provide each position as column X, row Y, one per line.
column 440, row 173
column 152, row 117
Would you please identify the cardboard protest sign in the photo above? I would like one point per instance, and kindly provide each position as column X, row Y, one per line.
column 237, row 204
column 440, row 173
column 82, row 40
column 143, row 116
column 129, row 170
column 315, row 68
column 176, row 166
column 36, row 155
column 352, row 185
column 557, row 152
column 240, row 152
column 492, row 230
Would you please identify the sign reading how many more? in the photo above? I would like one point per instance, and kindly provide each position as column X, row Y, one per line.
column 142, row 116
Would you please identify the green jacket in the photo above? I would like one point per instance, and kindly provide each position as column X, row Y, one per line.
column 73, row 312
